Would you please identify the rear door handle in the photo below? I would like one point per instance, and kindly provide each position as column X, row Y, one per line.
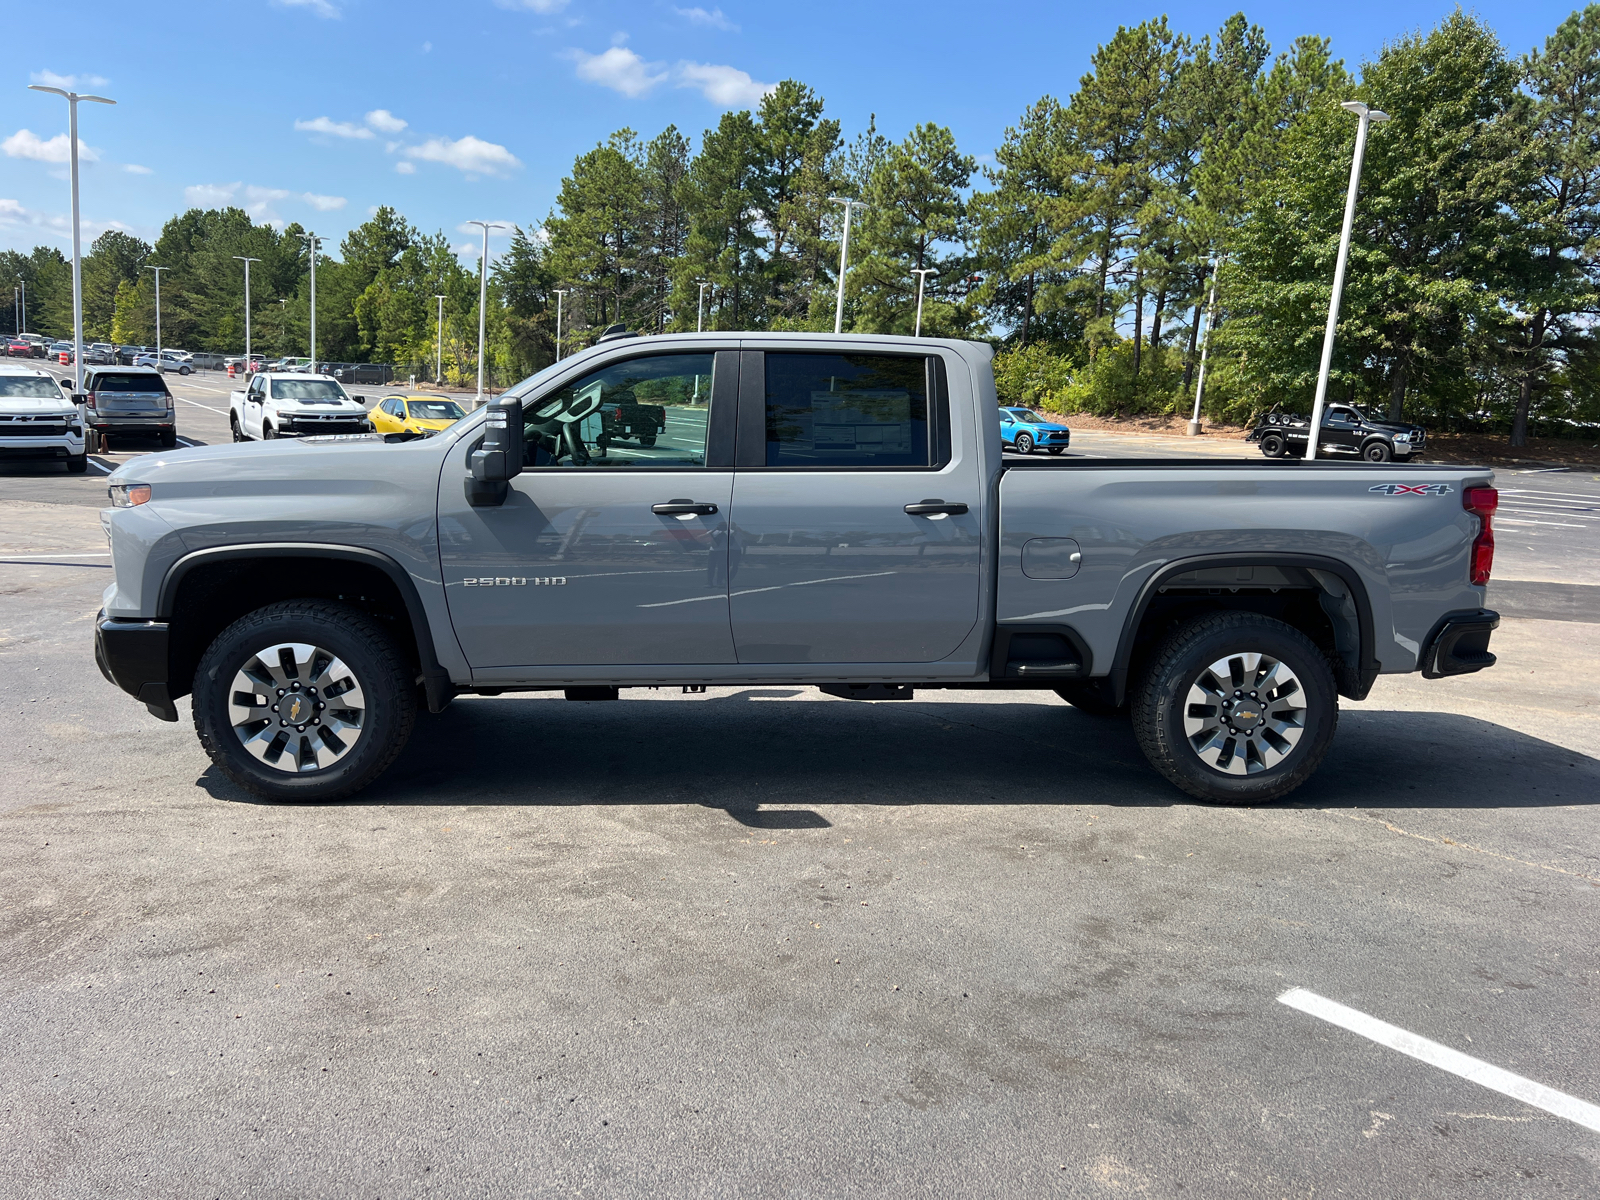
column 684, row 508
column 935, row 508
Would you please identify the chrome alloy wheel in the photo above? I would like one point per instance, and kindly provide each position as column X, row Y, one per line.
column 297, row 707
column 1245, row 713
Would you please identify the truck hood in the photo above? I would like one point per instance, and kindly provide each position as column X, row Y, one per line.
column 275, row 466
column 17, row 406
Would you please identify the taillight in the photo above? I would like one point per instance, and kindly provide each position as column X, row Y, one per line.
column 88, row 399
column 1482, row 501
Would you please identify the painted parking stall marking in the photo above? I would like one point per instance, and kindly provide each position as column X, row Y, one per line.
column 1579, row 1112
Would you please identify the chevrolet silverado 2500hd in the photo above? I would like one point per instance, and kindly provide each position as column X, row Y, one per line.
column 815, row 510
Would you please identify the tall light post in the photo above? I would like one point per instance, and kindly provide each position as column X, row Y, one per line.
column 560, row 295
column 1210, row 318
column 1367, row 117
column 700, row 318
column 438, row 347
column 246, row 262
column 77, row 233
column 23, row 284
column 313, row 240
column 844, row 258
column 483, row 297
column 922, row 274
column 158, row 271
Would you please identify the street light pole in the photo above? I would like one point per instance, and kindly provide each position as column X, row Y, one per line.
column 700, row 318
column 158, row 271
column 844, row 258
column 1367, row 117
column 1210, row 318
column 483, row 298
column 313, row 240
column 23, row 283
column 922, row 274
column 77, row 233
column 438, row 347
column 246, row 262
column 560, row 295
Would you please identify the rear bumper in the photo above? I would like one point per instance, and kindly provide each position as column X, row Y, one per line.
column 143, row 423
column 133, row 655
column 1460, row 644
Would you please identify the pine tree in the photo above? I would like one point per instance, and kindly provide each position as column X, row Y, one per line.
column 722, row 195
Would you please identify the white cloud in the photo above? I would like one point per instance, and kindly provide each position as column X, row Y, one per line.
column 323, row 203
column 712, row 20
column 69, row 82
column 544, row 8
column 385, row 121
column 469, row 154
column 725, row 86
column 505, row 230
column 619, row 69
column 14, row 215
column 343, row 129
column 136, row 169
column 322, row 8
column 210, row 195
column 24, row 143
column 405, row 168
column 472, row 250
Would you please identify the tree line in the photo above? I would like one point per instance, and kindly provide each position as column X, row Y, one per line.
column 1088, row 247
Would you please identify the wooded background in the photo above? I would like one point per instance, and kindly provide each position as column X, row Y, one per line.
column 1084, row 246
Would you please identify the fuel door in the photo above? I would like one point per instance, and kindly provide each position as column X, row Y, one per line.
column 1051, row 558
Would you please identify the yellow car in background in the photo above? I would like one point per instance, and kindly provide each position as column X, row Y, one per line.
column 414, row 414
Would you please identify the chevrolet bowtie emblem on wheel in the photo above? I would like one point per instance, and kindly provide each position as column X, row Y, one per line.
column 516, row 581
column 1413, row 489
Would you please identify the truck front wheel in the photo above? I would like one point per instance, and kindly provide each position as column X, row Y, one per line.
column 1236, row 708
column 1273, row 445
column 303, row 700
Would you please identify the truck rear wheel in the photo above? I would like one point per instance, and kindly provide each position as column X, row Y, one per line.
column 1273, row 445
column 303, row 700
column 1236, row 708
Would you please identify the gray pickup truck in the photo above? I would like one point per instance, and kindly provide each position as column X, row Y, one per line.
column 816, row 510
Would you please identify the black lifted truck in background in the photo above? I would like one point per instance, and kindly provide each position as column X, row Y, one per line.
column 1347, row 432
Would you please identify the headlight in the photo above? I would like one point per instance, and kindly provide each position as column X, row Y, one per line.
column 1402, row 437
column 129, row 495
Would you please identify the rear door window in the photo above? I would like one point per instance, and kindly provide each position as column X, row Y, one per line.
column 847, row 410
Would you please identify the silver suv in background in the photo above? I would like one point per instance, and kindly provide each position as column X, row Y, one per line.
column 129, row 401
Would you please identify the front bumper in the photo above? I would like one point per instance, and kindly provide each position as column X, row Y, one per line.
column 1460, row 644
column 301, row 427
column 132, row 653
column 51, row 448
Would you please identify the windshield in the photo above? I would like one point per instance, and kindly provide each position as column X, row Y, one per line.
column 434, row 410
column 1026, row 414
column 34, row 387
column 307, row 389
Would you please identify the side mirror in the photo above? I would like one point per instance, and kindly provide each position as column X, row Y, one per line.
column 500, row 458
column 359, row 399
column 66, row 384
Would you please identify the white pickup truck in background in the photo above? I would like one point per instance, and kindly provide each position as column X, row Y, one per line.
column 278, row 405
column 38, row 419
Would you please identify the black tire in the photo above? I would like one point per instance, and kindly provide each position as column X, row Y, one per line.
column 169, row 440
column 268, row 433
column 374, row 662
column 1091, row 697
column 78, row 464
column 1377, row 452
column 238, row 433
column 183, row 370
column 1273, row 445
column 1024, row 443
column 647, row 440
column 1161, row 706
column 1054, row 449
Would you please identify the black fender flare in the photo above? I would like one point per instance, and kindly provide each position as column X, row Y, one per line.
column 435, row 679
column 1355, row 682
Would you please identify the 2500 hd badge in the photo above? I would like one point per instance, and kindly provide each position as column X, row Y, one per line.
column 516, row 581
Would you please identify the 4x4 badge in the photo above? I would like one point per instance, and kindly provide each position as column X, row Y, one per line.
column 1413, row 489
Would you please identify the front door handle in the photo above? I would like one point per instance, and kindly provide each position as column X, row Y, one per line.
column 936, row 508
column 684, row 508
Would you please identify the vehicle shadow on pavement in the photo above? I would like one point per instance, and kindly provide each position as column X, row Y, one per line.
column 765, row 763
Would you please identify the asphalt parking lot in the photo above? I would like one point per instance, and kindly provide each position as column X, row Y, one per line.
column 764, row 942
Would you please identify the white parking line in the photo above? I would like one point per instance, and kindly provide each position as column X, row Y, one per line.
column 1560, row 524
column 103, row 467
column 207, row 407
column 1579, row 1112
column 54, row 554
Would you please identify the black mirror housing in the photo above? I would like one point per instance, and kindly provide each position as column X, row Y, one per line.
column 500, row 457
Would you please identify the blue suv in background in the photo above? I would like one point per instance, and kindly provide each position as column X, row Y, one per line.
column 1021, row 429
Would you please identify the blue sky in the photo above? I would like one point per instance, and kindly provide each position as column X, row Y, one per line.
column 318, row 110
